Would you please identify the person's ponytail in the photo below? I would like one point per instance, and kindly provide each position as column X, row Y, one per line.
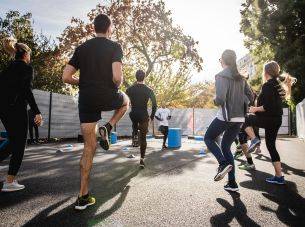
column 9, row 46
column 229, row 59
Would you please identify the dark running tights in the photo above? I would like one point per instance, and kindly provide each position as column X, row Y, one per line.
column 271, row 126
column 142, row 126
column 15, row 121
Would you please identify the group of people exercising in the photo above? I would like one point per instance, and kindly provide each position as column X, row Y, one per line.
column 99, row 61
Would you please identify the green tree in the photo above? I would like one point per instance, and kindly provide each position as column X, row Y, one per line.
column 275, row 30
column 150, row 41
column 45, row 53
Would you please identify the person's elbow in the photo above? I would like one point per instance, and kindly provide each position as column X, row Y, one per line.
column 118, row 80
column 218, row 101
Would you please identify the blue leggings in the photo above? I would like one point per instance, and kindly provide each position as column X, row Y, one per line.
column 223, row 153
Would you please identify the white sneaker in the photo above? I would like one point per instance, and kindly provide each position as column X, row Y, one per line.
column 12, row 187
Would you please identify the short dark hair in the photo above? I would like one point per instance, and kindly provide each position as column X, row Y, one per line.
column 140, row 75
column 101, row 23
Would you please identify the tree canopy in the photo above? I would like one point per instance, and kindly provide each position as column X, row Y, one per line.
column 45, row 53
column 275, row 30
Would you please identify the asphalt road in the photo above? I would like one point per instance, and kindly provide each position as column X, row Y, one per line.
column 176, row 189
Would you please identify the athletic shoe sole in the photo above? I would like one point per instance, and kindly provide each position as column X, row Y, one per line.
column 246, row 168
column 83, row 207
column 275, row 182
column 142, row 166
column 104, row 142
column 12, row 190
column 221, row 175
column 232, row 189
column 253, row 146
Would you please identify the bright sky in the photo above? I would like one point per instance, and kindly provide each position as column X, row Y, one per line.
column 214, row 23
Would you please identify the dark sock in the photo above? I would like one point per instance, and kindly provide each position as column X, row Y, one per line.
column 250, row 161
column 108, row 127
column 85, row 196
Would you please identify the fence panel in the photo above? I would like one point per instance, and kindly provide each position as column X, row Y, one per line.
column 300, row 115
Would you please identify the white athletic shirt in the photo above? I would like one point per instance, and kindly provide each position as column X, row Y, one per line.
column 163, row 114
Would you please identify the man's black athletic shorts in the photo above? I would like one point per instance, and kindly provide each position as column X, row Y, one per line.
column 90, row 106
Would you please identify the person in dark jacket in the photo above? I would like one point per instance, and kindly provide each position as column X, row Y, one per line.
column 139, row 95
column 268, row 115
column 16, row 93
column 232, row 96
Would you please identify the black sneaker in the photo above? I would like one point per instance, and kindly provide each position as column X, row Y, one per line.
column 142, row 164
column 231, row 186
column 164, row 147
column 104, row 142
column 83, row 202
column 222, row 171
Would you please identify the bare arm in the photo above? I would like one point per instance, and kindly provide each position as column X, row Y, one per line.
column 68, row 75
column 254, row 109
column 117, row 71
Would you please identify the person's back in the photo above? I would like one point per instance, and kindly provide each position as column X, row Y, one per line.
column 94, row 59
column 139, row 95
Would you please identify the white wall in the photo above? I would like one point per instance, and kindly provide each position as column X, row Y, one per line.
column 300, row 115
column 65, row 121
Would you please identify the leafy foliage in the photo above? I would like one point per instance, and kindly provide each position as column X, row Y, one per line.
column 275, row 30
column 150, row 41
column 45, row 53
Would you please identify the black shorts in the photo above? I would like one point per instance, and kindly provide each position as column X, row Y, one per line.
column 90, row 111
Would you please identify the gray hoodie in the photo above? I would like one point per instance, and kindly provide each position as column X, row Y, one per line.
column 232, row 95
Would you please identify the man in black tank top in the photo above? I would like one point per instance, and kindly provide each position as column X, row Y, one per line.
column 99, row 61
column 139, row 95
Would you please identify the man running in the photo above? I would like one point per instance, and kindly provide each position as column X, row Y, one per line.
column 139, row 95
column 99, row 61
column 163, row 115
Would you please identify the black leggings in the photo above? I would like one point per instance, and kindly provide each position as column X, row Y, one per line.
column 164, row 130
column 271, row 126
column 140, row 121
column 15, row 121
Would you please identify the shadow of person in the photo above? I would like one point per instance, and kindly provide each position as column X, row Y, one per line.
column 291, row 206
column 288, row 170
column 70, row 217
column 238, row 211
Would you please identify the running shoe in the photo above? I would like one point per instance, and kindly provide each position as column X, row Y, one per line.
column 231, row 186
column 238, row 154
column 104, row 142
column 142, row 164
column 222, row 171
column 83, row 202
column 253, row 144
column 276, row 180
column 247, row 166
column 12, row 187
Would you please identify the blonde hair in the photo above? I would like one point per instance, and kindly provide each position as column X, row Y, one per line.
column 286, row 81
column 13, row 48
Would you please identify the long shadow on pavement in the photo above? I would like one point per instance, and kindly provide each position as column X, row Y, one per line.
column 238, row 210
column 291, row 205
column 285, row 168
column 56, row 176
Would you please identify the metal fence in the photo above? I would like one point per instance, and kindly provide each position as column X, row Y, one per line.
column 60, row 114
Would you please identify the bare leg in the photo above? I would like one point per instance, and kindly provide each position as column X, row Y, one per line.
column 277, row 168
column 88, row 131
column 250, row 132
column 245, row 149
column 119, row 113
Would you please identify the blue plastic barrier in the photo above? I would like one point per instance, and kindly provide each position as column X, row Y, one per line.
column 113, row 138
column 174, row 138
column 198, row 138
